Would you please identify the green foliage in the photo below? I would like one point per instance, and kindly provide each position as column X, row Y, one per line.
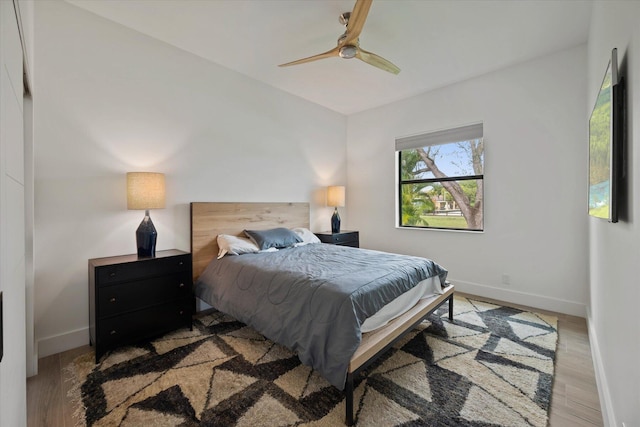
column 414, row 205
column 600, row 139
column 470, row 189
column 600, row 211
column 409, row 162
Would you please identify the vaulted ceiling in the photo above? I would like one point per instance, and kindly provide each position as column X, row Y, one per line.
column 434, row 42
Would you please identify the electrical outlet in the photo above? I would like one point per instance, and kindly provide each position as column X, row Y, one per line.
column 506, row 279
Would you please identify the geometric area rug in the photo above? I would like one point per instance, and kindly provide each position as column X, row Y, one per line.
column 493, row 366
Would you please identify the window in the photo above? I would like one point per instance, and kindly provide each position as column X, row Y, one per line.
column 440, row 179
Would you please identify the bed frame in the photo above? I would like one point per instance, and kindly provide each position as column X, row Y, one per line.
column 208, row 219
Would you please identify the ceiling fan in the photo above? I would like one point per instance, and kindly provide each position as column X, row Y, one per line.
column 349, row 44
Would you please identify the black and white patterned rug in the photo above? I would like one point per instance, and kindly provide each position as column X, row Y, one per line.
column 493, row 366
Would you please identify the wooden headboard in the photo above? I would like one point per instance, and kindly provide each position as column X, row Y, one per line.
column 208, row 219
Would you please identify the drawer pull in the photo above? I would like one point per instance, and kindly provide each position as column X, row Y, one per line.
column 112, row 274
column 181, row 285
column 112, row 300
column 113, row 332
column 181, row 312
column 181, row 263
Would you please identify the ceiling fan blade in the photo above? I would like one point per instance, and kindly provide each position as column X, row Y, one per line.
column 377, row 61
column 333, row 52
column 356, row 21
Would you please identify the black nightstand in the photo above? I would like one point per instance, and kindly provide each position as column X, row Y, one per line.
column 343, row 238
column 131, row 298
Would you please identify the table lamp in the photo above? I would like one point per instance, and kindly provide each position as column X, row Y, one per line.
column 335, row 198
column 145, row 190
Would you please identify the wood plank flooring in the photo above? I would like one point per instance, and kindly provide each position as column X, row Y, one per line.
column 574, row 401
column 48, row 403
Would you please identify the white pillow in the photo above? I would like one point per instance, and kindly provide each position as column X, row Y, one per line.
column 306, row 235
column 234, row 245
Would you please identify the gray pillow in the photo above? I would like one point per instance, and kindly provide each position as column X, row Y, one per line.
column 273, row 238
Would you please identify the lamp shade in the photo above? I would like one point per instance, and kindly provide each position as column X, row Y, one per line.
column 145, row 190
column 335, row 195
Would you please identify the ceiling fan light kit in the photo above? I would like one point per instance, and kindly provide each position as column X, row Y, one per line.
column 348, row 52
column 349, row 44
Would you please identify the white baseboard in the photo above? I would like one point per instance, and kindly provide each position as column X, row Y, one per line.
column 62, row 342
column 523, row 298
column 606, row 406
column 77, row 338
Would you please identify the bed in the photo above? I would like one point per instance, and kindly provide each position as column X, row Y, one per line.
column 332, row 343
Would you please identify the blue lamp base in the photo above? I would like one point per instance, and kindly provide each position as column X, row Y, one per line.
column 146, row 237
column 335, row 221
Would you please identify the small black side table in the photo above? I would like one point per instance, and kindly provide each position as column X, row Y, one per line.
column 132, row 298
column 343, row 238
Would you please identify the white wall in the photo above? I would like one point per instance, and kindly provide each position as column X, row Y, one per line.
column 535, row 181
column 13, row 407
column 25, row 14
column 614, row 248
column 111, row 100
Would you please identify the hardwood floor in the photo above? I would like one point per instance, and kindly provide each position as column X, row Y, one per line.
column 574, row 401
column 47, row 401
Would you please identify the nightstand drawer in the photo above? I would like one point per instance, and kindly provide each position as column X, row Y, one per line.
column 141, row 324
column 344, row 238
column 122, row 297
column 144, row 268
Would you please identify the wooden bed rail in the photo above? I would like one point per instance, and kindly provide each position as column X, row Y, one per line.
column 376, row 343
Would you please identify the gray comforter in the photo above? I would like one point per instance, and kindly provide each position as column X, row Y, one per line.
column 312, row 299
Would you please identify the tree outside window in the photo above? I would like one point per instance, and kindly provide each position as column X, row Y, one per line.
column 441, row 185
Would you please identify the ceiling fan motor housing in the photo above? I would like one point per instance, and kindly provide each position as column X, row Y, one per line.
column 348, row 51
